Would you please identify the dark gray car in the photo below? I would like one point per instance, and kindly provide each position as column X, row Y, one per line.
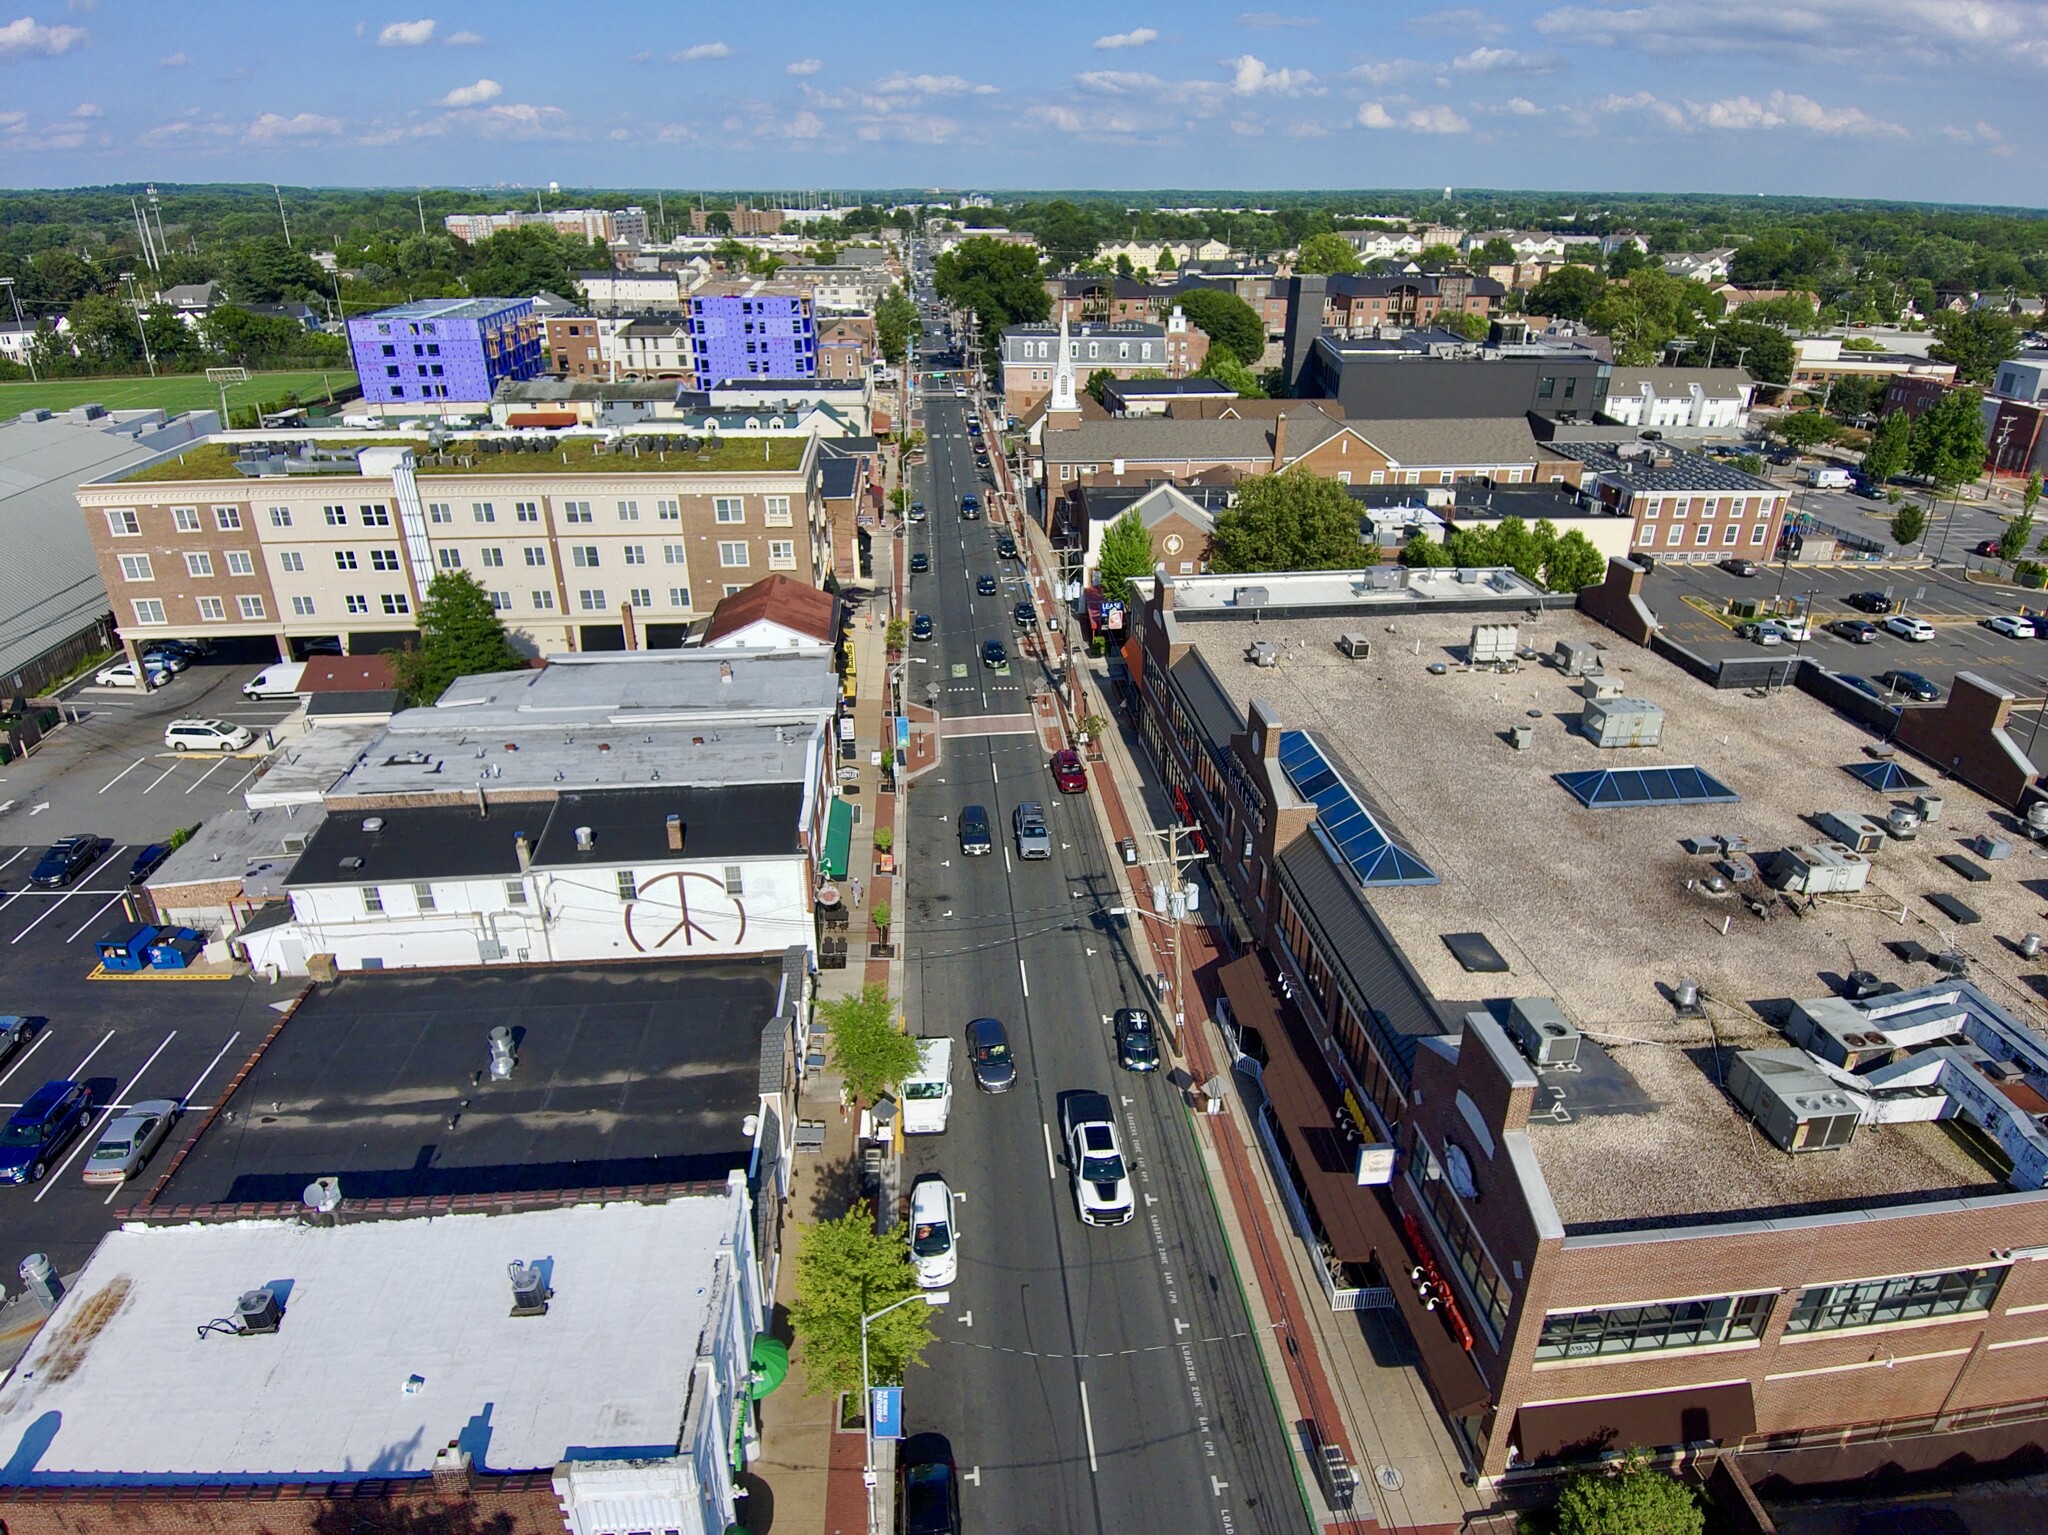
column 988, row 1048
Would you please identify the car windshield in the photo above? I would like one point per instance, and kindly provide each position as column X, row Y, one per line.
column 1103, row 1169
column 920, row 1092
column 931, row 1239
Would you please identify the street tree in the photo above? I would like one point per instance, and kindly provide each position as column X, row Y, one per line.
column 1424, row 553
column 1764, row 351
column 1068, row 235
column 999, row 282
column 1327, row 254
column 1569, row 293
column 846, row 1270
column 2013, row 540
column 1946, row 447
column 2031, row 496
column 870, row 1051
column 1628, row 1497
column 1804, row 429
column 1432, row 257
column 1890, row 444
column 895, row 322
column 1909, row 522
column 1230, row 323
column 1126, row 556
column 461, row 635
column 1293, row 520
column 1499, row 251
column 1975, row 340
column 1574, row 564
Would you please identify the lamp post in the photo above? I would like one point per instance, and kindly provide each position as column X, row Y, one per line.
column 867, row 1404
column 28, row 350
column 140, row 329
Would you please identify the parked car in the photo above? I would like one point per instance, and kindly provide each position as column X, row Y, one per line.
column 1765, row 631
column 920, row 562
column 985, row 586
column 1735, row 565
column 1006, row 547
column 164, row 654
column 1870, row 602
column 122, row 674
column 934, row 1233
column 1907, row 627
column 988, row 1049
column 2012, row 626
column 1912, row 684
column 67, row 858
column 1137, row 1041
column 207, row 736
column 1987, row 547
column 917, row 511
column 1067, row 772
column 129, row 1139
column 16, row 1030
column 993, row 655
column 1095, row 1160
column 1024, row 616
column 1027, row 822
column 922, row 627
column 1861, row 685
column 148, row 861
column 970, row 508
column 278, row 681
column 927, row 1487
column 974, row 832
column 1859, row 631
column 40, row 1128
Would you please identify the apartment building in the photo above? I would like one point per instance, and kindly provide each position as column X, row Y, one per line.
column 575, row 346
column 1686, row 507
column 1694, row 402
column 747, row 330
column 631, row 292
column 444, row 351
column 1359, row 305
column 625, row 226
column 846, row 347
column 653, row 349
column 581, row 547
column 744, row 220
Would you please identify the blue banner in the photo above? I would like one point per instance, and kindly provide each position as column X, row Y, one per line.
column 885, row 1411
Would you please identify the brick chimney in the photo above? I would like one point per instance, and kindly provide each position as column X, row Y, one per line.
column 675, row 834
column 1279, row 442
column 454, row 1472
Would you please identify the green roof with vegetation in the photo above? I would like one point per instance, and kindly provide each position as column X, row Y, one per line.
column 215, row 460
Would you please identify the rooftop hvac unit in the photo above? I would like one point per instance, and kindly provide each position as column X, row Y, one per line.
column 1577, row 658
column 1852, row 829
column 1594, row 685
column 1794, row 1103
column 1903, row 823
column 1468, row 576
column 257, row 1311
column 1356, row 646
column 1929, row 806
column 1251, row 597
column 1614, row 722
column 1262, row 653
column 1826, row 868
column 1492, row 644
column 1546, row 1036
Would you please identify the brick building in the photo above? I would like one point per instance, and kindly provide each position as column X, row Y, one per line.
column 743, row 219
column 316, row 539
column 575, row 346
column 846, row 347
column 1357, row 304
column 1687, row 507
column 1121, row 348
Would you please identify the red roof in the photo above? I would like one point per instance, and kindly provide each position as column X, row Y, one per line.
column 778, row 600
column 347, row 674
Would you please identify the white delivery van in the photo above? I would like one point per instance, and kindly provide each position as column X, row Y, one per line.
column 279, row 681
column 928, row 1092
column 1830, row 479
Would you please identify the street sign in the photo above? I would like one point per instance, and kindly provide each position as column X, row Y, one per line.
column 885, row 1411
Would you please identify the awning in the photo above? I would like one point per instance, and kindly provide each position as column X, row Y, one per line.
column 1573, row 1429
column 838, row 839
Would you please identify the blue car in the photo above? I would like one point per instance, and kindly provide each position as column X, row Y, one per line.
column 40, row 1128
column 921, row 627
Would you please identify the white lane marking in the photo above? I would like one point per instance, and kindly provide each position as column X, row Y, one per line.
column 160, row 777
column 994, row 773
column 22, row 1059
column 1087, row 1421
column 193, row 1090
column 89, row 921
column 245, row 777
column 58, row 903
column 79, row 1070
column 1023, row 977
column 1006, row 858
column 208, row 773
column 106, row 1114
column 1052, row 1166
column 131, row 767
column 17, row 853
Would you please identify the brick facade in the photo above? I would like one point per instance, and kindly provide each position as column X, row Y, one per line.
column 575, row 347
column 517, row 1504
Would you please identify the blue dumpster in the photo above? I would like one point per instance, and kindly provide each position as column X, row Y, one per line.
column 127, row 948
column 175, row 948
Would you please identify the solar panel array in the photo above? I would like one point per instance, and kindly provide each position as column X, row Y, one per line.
column 1347, row 827
column 1616, row 788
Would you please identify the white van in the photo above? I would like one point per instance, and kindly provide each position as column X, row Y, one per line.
column 928, row 1093
column 1831, row 479
column 207, row 736
column 279, row 681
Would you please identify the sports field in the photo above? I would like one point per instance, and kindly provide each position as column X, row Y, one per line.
column 173, row 392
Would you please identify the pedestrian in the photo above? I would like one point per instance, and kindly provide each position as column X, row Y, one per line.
column 856, row 890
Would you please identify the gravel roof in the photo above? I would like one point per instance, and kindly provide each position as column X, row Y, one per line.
column 1591, row 907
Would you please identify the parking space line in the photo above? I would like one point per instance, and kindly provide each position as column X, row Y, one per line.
column 207, row 774
column 57, row 905
column 224, row 1049
column 160, row 777
column 79, row 1069
column 105, row 1114
column 131, row 767
column 22, row 1059
column 89, row 921
column 17, row 853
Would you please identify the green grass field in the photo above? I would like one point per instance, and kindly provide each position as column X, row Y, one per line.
column 174, row 393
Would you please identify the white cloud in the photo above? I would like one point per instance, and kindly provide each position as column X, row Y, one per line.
column 270, row 128
column 1246, row 128
column 1308, row 130
column 518, row 120
column 473, row 95
column 407, row 34
column 697, row 52
column 1250, row 76
column 1272, row 21
column 643, row 56
column 900, row 84
column 12, row 121
column 804, row 67
column 25, row 35
column 805, row 125
column 1745, row 114
column 463, row 39
column 1116, row 82
column 1884, row 30
column 1521, row 106
column 1506, row 61
column 172, row 61
column 1464, row 20
column 1137, row 37
column 1380, row 72
column 86, row 109
column 1436, row 118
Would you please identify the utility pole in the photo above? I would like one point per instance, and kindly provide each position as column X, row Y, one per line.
column 28, row 349
column 140, row 329
column 1174, row 895
column 420, row 203
column 279, row 195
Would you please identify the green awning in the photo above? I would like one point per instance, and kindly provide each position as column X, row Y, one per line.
column 838, row 839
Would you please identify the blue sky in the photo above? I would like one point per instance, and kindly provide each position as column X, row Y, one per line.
column 1924, row 99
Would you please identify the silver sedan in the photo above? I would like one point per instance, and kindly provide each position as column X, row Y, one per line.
column 128, row 1140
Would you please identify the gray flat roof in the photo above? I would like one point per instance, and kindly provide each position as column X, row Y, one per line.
column 1659, row 470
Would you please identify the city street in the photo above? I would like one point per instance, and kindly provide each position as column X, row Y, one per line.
column 1089, row 1379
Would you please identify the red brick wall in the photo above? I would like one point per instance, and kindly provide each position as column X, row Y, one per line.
column 500, row 1505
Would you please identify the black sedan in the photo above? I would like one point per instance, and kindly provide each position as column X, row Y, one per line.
column 1912, row 684
column 1735, row 565
column 993, row 655
column 988, row 1049
column 1870, row 602
column 922, row 627
column 1006, row 547
column 1137, row 1042
column 1024, row 616
column 985, row 586
column 920, row 562
column 1857, row 631
column 66, row 860
column 927, row 1487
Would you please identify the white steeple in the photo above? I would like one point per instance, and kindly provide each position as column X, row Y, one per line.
column 1063, row 374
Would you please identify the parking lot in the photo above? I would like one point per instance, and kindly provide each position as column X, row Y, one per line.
column 161, row 1037
column 1688, row 600
column 107, row 772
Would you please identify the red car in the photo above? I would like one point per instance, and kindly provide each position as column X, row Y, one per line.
column 1068, row 773
column 1988, row 548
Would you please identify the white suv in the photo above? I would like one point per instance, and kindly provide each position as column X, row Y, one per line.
column 1906, row 627
column 207, row 736
column 934, row 1233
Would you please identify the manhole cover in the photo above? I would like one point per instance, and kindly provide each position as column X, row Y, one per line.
column 1388, row 1478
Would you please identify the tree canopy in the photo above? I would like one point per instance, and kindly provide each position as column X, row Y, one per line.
column 1630, row 1497
column 1232, row 374
column 1328, row 254
column 1890, row 442
column 461, row 635
column 1569, row 293
column 870, row 1051
column 1946, row 447
column 1230, row 323
column 846, row 1270
column 1000, row 282
column 1293, row 520
column 1126, row 556
column 1976, row 341
column 895, row 323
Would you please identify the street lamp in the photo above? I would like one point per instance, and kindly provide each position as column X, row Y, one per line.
column 135, row 299
column 27, row 345
column 867, row 1393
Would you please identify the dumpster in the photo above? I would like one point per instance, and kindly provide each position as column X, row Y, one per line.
column 175, row 948
column 127, row 948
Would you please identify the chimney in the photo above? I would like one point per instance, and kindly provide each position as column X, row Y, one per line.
column 1265, row 723
column 675, row 834
column 1279, row 442
column 454, row 1472
column 523, row 851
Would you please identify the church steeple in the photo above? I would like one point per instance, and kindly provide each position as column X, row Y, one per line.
column 1063, row 398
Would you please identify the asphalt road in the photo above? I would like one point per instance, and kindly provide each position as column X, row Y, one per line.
column 1089, row 1380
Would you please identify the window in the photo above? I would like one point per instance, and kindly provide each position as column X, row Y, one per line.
column 122, row 523
column 252, row 607
column 1874, row 1302
column 1705, row 533
column 241, row 563
column 776, row 514
column 185, row 518
column 515, row 892
column 383, row 559
column 1756, row 534
column 291, row 559
column 337, row 516
column 583, row 556
column 591, row 599
column 679, row 596
column 1545, row 388
column 527, row 511
column 628, row 889
column 636, row 554
column 451, row 559
column 373, row 901
column 673, row 554
column 728, row 509
column 423, row 897
column 280, row 516
column 732, row 556
column 482, row 511
column 735, row 882
column 668, row 511
column 781, row 555
column 213, row 610
column 640, row 597
column 1730, row 533
column 376, row 516
column 1652, row 510
column 302, row 607
column 544, row 601
column 1665, row 1324
column 344, row 559
column 149, row 611
column 136, row 567
column 629, row 511
column 1677, row 534
column 439, row 511
column 396, row 603
column 576, row 511
column 501, row 602
column 357, row 604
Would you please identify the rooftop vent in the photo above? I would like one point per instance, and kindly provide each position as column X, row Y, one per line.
column 373, row 824
column 504, row 1053
column 351, row 862
column 1262, row 653
column 586, row 839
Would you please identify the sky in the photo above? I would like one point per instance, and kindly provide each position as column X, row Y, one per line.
column 1913, row 99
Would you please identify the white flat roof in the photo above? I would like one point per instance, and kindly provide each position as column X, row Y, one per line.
column 370, row 1307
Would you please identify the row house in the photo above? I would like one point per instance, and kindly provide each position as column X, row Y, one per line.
column 1354, row 305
